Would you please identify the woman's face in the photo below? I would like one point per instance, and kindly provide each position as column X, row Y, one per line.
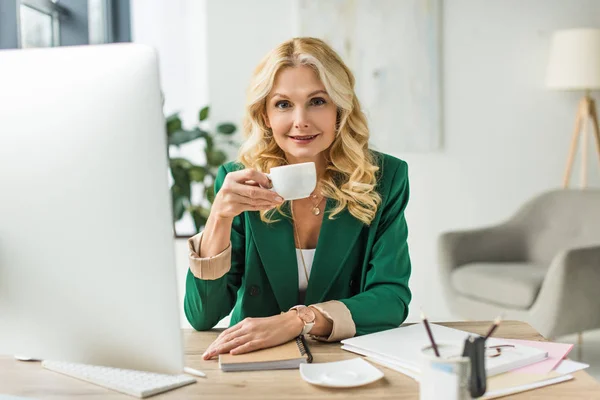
column 301, row 114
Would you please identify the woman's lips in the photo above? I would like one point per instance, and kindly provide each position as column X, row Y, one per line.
column 303, row 139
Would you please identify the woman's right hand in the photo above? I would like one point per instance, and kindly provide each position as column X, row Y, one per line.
column 244, row 191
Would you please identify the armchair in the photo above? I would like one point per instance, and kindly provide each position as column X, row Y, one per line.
column 541, row 266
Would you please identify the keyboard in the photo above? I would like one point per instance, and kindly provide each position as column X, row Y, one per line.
column 134, row 383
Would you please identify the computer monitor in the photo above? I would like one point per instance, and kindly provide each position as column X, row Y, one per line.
column 87, row 266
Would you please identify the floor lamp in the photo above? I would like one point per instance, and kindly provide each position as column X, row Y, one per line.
column 575, row 65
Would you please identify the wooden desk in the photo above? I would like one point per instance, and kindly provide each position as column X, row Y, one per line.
column 31, row 380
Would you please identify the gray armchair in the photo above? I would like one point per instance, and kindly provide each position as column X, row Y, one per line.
column 541, row 266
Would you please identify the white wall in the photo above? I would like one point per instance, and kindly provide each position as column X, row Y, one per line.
column 177, row 30
column 506, row 137
column 240, row 33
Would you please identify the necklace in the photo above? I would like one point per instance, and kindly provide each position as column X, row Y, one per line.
column 297, row 238
column 316, row 211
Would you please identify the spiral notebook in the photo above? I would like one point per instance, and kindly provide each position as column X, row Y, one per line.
column 286, row 356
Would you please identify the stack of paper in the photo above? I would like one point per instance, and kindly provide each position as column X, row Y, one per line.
column 403, row 346
column 531, row 364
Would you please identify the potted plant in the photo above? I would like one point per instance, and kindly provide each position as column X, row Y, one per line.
column 186, row 173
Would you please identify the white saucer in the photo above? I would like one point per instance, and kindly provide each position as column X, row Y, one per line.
column 348, row 373
column 21, row 357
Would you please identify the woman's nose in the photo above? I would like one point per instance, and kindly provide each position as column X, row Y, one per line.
column 301, row 120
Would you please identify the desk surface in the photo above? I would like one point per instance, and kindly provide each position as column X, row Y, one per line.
column 31, row 380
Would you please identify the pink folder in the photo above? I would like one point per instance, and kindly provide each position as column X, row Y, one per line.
column 556, row 352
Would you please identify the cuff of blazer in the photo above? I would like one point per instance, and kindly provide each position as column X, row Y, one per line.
column 341, row 318
column 208, row 268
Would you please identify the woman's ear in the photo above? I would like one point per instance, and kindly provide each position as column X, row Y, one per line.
column 266, row 120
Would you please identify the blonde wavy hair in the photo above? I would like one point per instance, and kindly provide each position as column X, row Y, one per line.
column 350, row 177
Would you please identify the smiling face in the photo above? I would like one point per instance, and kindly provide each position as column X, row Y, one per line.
column 301, row 115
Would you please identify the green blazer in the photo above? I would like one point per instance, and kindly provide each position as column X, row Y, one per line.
column 365, row 267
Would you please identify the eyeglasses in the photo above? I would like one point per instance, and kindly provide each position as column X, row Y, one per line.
column 490, row 351
column 496, row 350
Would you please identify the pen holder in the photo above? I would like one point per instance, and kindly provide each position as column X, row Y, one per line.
column 445, row 377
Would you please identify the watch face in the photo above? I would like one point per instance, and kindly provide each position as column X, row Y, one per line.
column 307, row 315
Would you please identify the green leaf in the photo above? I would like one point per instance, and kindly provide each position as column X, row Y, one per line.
column 173, row 124
column 200, row 210
column 210, row 193
column 215, row 158
column 210, row 142
column 180, row 137
column 197, row 173
column 179, row 204
column 203, row 115
column 200, row 216
column 178, row 162
column 181, row 181
column 226, row 128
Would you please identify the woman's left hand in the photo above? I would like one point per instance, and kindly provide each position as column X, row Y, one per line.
column 256, row 333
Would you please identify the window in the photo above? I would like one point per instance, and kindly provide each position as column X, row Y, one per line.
column 39, row 23
column 49, row 23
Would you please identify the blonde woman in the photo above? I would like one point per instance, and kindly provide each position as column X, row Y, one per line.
column 333, row 265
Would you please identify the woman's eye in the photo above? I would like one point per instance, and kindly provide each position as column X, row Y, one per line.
column 283, row 104
column 318, row 101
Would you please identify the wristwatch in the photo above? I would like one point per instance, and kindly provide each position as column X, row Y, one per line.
column 307, row 316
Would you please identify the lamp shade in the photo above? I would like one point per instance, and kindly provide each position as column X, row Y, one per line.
column 574, row 60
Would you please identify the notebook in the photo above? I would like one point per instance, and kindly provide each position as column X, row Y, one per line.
column 556, row 353
column 512, row 383
column 286, row 356
column 403, row 345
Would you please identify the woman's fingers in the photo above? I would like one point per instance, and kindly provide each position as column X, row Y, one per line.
column 256, row 193
column 231, row 329
column 226, row 346
column 226, row 335
column 245, row 191
column 226, row 343
column 247, row 347
column 251, row 175
column 247, row 201
column 251, row 334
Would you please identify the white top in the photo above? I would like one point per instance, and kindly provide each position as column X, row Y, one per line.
column 309, row 256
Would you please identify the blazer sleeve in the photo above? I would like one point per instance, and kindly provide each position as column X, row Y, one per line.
column 383, row 304
column 211, row 285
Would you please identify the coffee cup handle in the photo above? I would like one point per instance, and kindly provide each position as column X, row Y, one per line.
column 271, row 180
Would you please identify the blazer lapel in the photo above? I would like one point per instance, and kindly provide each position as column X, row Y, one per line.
column 277, row 250
column 336, row 238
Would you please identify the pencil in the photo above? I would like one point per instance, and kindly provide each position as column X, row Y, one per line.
column 428, row 329
column 194, row 372
column 494, row 326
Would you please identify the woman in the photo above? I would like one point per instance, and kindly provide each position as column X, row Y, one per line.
column 342, row 251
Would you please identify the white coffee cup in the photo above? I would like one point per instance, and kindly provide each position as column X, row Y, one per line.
column 294, row 181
